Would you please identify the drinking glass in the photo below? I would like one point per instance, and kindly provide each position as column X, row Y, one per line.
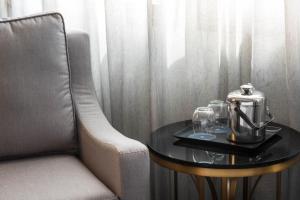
column 220, row 109
column 203, row 122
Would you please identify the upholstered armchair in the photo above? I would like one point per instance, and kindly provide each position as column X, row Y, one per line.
column 55, row 142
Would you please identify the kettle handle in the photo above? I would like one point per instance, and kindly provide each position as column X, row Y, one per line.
column 249, row 122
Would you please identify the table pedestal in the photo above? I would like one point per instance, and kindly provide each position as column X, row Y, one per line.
column 228, row 187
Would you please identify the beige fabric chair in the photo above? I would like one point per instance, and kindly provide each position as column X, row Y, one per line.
column 55, row 142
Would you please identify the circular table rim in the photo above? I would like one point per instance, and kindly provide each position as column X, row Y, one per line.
column 224, row 172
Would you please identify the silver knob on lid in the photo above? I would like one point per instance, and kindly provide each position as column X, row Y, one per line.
column 247, row 89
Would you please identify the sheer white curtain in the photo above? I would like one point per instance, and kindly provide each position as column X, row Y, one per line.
column 155, row 61
column 202, row 49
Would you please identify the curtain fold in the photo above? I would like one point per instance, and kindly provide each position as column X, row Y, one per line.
column 155, row 61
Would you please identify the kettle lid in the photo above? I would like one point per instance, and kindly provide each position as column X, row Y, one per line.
column 247, row 93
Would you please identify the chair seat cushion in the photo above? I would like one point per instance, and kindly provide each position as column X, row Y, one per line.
column 54, row 177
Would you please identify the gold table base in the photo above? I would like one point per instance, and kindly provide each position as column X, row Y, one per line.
column 229, row 177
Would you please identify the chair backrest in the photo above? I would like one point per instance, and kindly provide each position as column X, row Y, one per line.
column 36, row 109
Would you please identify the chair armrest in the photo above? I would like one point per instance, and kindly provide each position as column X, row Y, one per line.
column 119, row 162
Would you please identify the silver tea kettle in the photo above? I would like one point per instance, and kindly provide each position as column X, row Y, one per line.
column 247, row 115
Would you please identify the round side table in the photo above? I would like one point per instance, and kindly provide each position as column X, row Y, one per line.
column 204, row 163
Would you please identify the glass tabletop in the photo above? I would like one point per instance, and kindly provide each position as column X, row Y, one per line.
column 164, row 144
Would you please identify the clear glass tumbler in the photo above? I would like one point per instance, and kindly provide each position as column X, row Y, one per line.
column 221, row 112
column 203, row 123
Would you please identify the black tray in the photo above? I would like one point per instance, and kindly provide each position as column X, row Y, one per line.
column 220, row 142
